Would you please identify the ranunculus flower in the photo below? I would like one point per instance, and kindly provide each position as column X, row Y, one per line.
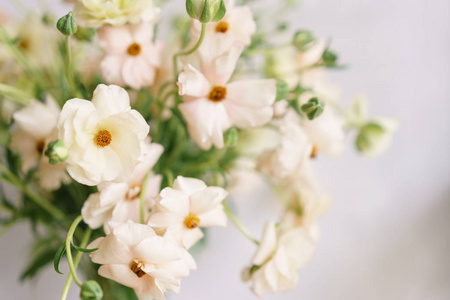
column 120, row 202
column 96, row 13
column 133, row 255
column 290, row 153
column 131, row 57
column 36, row 129
column 212, row 105
column 104, row 136
column 238, row 23
column 278, row 258
column 185, row 208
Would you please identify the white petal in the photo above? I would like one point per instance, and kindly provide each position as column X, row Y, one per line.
column 112, row 250
column 193, row 83
column 189, row 185
column 133, row 233
column 119, row 273
column 157, row 250
column 110, row 100
column 267, row 245
column 207, row 199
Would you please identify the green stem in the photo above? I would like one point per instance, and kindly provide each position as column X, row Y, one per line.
column 69, row 240
column 143, row 198
column 69, row 68
column 238, row 224
column 170, row 178
column 84, row 242
column 39, row 200
column 14, row 94
column 187, row 52
column 211, row 162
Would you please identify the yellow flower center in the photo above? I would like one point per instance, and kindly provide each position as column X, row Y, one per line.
column 40, row 146
column 134, row 192
column 217, row 94
column 137, row 268
column 192, row 222
column 314, row 152
column 103, row 138
column 134, row 49
column 222, row 27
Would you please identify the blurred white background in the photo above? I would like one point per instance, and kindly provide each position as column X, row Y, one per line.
column 388, row 234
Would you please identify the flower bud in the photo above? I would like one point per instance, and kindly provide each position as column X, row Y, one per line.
column 91, row 290
column 48, row 19
column 375, row 137
column 85, row 34
column 329, row 58
column 313, row 109
column 66, row 24
column 206, row 10
column 231, row 137
column 303, row 40
column 282, row 90
column 57, row 152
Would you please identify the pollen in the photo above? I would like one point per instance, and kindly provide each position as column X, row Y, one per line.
column 222, row 27
column 217, row 94
column 137, row 268
column 192, row 222
column 314, row 152
column 134, row 49
column 103, row 138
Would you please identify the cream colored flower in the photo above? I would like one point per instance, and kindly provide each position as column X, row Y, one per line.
column 276, row 262
column 185, row 208
column 97, row 13
column 104, row 137
column 36, row 129
column 131, row 57
column 134, row 256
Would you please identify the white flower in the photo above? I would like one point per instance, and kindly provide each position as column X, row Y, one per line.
column 375, row 137
column 186, row 207
column 96, row 13
column 237, row 23
column 212, row 105
column 279, row 256
column 120, row 202
column 36, row 128
column 292, row 150
column 305, row 195
column 312, row 56
column 134, row 256
column 131, row 56
column 326, row 133
column 104, row 137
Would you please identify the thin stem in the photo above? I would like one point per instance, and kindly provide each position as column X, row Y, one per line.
column 238, row 224
column 187, row 52
column 14, row 94
column 69, row 68
column 84, row 242
column 39, row 200
column 170, row 178
column 143, row 198
column 69, row 240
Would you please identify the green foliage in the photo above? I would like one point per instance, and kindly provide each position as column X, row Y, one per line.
column 313, row 109
column 91, row 290
column 59, row 254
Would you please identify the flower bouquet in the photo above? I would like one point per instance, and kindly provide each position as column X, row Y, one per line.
column 123, row 141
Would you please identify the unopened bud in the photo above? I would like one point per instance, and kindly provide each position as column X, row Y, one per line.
column 303, row 40
column 375, row 137
column 329, row 58
column 91, row 290
column 66, row 24
column 57, row 152
column 313, row 109
column 206, row 10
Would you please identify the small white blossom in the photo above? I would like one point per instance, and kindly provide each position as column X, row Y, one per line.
column 134, row 256
column 185, row 208
column 104, row 137
column 279, row 256
column 96, row 13
column 131, row 57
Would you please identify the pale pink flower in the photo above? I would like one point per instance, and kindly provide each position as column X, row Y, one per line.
column 277, row 260
column 120, row 202
column 185, row 208
column 238, row 23
column 131, row 56
column 212, row 104
column 135, row 256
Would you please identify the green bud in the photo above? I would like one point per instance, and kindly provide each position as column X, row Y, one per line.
column 375, row 137
column 206, row 10
column 313, row 109
column 303, row 40
column 231, row 137
column 66, row 24
column 48, row 19
column 91, row 290
column 85, row 34
column 57, row 152
column 329, row 58
column 282, row 90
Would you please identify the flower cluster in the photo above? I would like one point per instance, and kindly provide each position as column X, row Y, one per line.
column 148, row 162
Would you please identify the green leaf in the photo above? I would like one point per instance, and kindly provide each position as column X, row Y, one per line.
column 38, row 263
column 59, row 254
column 84, row 250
